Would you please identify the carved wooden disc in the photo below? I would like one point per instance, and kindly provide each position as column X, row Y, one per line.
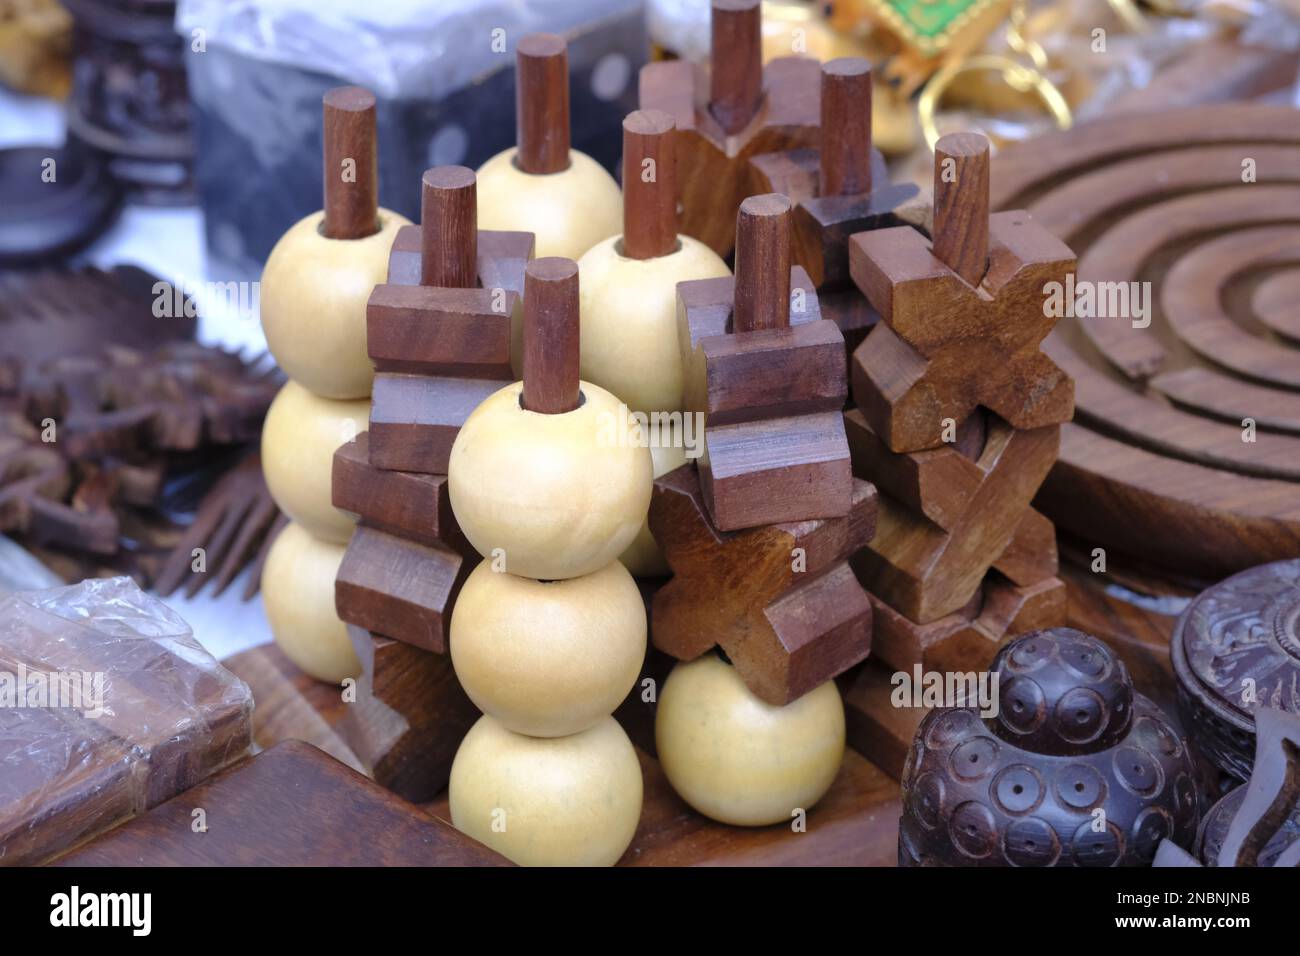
column 1235, row 648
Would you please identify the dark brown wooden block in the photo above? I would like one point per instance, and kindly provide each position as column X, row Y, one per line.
column 292, row 805
column 456, row 332
column 874, row 727
column 723, row 118
column 780, row 600
column 414, row 419
column 399, row 588
column 408, row 718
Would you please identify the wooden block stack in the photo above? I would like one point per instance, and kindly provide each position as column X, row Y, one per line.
column 439, row 332
column 957, row 423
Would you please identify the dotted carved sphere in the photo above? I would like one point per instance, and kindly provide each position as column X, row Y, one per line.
column 1085, row 772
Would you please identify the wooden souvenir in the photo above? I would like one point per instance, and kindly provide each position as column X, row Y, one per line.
column 440, row 335
column 1161, row 465
column 946, row 518
column 962, row 315
column 1235, row 650
column 780, row 600
column 408, row 717
column 316, row 280
column 771, row 389
column 542, row 186
column 842, row 187
column 292, row 805
column 726, row 114
column 1070, row 736
column 1258, row 823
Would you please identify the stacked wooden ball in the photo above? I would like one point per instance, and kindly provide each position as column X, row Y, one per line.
column 313, row 299
column 549, row 632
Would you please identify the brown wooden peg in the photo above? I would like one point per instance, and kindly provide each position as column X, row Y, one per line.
column 649, row 185
column 762, row 264
column 961, row 204
column 351, row 164
column 846, row 128
column 449, row 228
column 542, row 104
column 736, row 70
column 551, row 336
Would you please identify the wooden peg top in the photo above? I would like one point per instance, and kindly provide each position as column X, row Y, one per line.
column 846, row 127
column 449, row 228
column 551, row 336
column 736, row 63
column 762, row 298
column 542, row 104
column 649, row 185
column 961, row 204
column 351, row 164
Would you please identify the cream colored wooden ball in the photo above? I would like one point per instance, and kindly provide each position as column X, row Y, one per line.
column 299, row 437
column 548, row 658
column 629, row 320
column 550, row 496
column 568, row 212
column 298, row 594
column 643, row 557
column 548, row 801
column 313, row 304
column 738, row 759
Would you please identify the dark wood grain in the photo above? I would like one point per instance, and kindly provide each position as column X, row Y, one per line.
column 736, row 62
column 449, row 227
column 542, row 104
column 961, row 204
column 649, row 185
column 463, row 333
column 551, row 336
column 845, row 152
column 762, row 264
column 351, row 164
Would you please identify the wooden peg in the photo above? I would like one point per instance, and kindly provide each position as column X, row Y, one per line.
column 351, row 164
column 961, row 204
column 449, row 228
column 845, row 153
column 551, row 336
column 542, row 104
column 736, row 68
column 649, row 204
column 762, row 264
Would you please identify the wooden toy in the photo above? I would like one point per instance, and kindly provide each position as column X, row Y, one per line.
column 1178, row 487
column 738, row 759
column 560, row 195
column 1235, row 650
column 962, row 316
column 738, row 110
column 301, row 433
column 440, row 331
column 629, row 281
column 780, row 600
column 298, row 593
column 1258, row 823
column 643, row 558
column 408, row 717
column 319, row 275
column 840, row 188
column 1022, row 787
column 548, row 658
column 771, row 388
column 536, row 480
column 291, row 805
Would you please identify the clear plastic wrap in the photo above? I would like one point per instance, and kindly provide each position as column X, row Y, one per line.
column 108, row 706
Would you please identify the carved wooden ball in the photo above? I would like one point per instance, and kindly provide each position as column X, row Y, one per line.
column 555, row 801
column 629, row 319
column 313, row 304
column 558, row 496
column 643, row 556
column 299, row 437
column 298, row 594
column 738, row 759
column 568, row 212
column 1075, row 769
column 548, row 658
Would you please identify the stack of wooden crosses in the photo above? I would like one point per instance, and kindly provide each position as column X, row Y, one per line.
column 957, row 424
